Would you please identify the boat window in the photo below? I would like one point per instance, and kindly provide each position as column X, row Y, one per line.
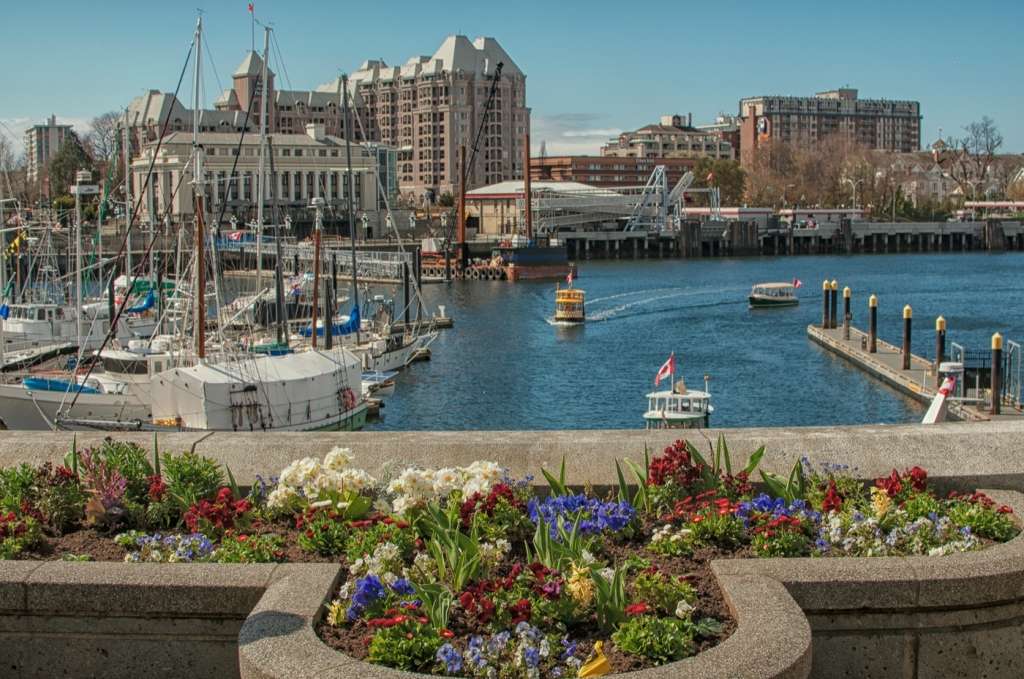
column 125, row 367
column 60, row 312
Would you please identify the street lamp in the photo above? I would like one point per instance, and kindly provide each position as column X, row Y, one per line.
column 854, row 185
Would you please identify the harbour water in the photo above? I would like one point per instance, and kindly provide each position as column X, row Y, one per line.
column 506, row 365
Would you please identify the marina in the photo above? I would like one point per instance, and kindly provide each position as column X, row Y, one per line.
column 505, row 365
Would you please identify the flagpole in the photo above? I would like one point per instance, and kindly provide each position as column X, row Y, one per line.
column 252, row 16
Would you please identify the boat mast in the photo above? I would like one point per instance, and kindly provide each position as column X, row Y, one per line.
column 351, row 192
column 318, row 205
column 127, row 205
column 199, row 189
column 261, row 186
column 527, row 205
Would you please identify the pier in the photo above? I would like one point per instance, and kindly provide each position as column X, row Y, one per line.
column 919, row 380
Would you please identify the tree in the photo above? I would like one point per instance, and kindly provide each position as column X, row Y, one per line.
column 543, row 148
column 71, row 158
column 726, row 175
column 101, row 140
column 973, row 154
column 1015, row 190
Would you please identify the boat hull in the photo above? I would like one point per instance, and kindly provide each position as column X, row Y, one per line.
column 31, row 409
column 768, row 303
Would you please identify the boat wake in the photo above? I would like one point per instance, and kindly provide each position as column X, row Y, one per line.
column 606, row 314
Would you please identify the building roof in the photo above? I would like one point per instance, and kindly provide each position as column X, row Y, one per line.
column 227, row 98
column 514, row 187
column 155, row 107
column 251, row 65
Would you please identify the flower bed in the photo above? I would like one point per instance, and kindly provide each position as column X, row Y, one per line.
column 479, row 571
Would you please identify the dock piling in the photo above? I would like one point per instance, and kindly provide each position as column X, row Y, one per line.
column 908, row 314
column 997, row 374
column 940, row 347
column 847, row 316
column 872, row 325
column 825, row 288
column 832, row 318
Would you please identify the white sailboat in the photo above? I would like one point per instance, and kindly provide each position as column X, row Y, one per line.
column 225, row 391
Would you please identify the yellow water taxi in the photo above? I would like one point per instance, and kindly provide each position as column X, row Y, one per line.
column 569, row 304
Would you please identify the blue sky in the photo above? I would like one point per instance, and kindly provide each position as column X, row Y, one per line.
column 593, row 68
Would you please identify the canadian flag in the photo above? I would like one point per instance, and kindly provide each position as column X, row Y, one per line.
column 797, row 283
column 568, row 279
column 250, row 8
column 666, row 370
column 236, row 236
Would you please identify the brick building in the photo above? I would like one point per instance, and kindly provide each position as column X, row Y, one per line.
column 607, row 171
column 805, row 121
column 674, row 137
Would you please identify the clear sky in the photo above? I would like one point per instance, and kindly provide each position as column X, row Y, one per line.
column 594, row 68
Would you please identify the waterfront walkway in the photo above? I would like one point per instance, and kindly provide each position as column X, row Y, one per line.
column 919, row 382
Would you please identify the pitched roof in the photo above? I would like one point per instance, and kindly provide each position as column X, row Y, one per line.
column 251, row 65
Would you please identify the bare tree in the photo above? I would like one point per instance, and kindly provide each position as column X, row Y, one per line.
column 973, row 154
column 101, row 140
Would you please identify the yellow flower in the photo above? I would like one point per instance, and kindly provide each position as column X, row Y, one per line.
column 336, row 613
column 580, row 585
column 879, row 501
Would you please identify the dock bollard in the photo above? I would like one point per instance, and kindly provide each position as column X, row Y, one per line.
column 832, row 317
column 908, row 313
column 940, row 347
column 872, row 324
column 846, row 313
column 825, row 288
column 997, row 374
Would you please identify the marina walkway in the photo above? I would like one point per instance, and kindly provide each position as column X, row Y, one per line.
column 919, row 382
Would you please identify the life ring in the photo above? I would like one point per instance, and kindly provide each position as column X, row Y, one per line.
column 350, row 399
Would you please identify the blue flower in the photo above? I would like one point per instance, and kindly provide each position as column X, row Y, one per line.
column 451, row 658
column 532, row 656
column 822, row 545
column 402, row 587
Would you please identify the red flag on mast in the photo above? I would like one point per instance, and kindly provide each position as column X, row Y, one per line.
column 250, row 8
column 667, row 370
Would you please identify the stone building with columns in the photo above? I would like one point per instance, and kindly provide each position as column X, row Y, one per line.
column 304, row 167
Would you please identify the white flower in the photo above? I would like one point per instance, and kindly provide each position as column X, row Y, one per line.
column 337, row 459
column 423, row 560
column 588, row 557
column 321, row 503
column 381, row 506
column 607, row 573
column 343, row 506
column 683, row 609
column 503, row 546
column 343, row 593
column 280, row 497
column 402, row 504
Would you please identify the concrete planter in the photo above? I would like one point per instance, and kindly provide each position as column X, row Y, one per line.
column 887, row 617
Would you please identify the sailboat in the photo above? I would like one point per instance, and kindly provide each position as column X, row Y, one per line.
column 230, row 391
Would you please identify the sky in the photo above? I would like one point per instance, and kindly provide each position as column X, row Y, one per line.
column 593, row 69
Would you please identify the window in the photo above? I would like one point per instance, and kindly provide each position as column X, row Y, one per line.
column 286, row 152
column 298, row 152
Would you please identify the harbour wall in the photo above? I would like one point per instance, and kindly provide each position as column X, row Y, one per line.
column 960, row 615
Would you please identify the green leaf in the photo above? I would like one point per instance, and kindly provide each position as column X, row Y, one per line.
column 777, row 485
column 722, row 456
column 232, row 485
column 623, row 488
column 641, row 499
column 557, row 488
column 754, row 460
column 156, row 456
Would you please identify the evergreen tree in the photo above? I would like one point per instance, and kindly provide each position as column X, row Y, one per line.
column 71, row 158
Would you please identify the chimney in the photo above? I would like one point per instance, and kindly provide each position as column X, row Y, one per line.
column 315, row 131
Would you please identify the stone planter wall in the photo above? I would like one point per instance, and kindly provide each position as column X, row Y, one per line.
column 913, row 617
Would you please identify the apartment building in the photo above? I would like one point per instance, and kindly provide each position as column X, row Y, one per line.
column 42, row 143
column 426, row 109
column 674, row 137
column 806, row 121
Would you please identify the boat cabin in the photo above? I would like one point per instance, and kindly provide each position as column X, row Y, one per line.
column 678, row 408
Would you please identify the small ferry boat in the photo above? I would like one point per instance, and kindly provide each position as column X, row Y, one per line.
column 569, row 304
column 765, row 295
column 678, row 408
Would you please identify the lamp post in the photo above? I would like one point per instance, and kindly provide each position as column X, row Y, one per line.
column 854, row 185
column 894, row 202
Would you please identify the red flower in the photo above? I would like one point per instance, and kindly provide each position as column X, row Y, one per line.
column 833, row 500
column 243, row 538
column 521, row 611
column 636, row 609
column 917, row 478
column 446, row 634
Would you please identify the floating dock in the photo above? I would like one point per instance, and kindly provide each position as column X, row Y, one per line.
column 919, row 382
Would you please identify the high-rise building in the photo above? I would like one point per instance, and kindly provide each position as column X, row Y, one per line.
column 426, row 109
column 873, row 123
column 42, row 143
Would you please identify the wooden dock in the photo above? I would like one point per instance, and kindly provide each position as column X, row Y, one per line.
column 919, row 382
